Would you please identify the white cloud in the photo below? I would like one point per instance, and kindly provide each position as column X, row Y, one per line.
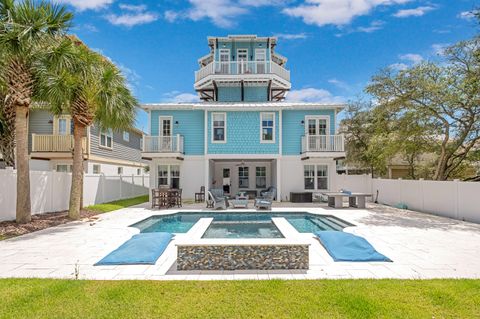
column 439, row 48
column 416, row 12
column 335, row 12
column 291, row 36
column 374, row 26
column 466, row 15
column 130, row 20
column 132, row 7
column 132, row 77
column 313, row 95
column 222, row 13
column 180, row 97
column 399, row 66
column 340, row 84
column 411, row 57
column 137, row 15
column 86, row 4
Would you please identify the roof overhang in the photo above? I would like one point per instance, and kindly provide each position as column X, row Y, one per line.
column 243, row 106
column 242, row 38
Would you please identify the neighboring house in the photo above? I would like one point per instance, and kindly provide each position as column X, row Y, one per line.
column 109, row 152
column 242, row 137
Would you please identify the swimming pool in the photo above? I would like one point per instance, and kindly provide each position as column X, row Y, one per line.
column 181, row 222
column 243, row 229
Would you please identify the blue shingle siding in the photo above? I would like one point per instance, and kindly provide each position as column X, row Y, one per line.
column 293, row 129
column 256, row 94
column 229, row 94
column 190, row 125
column 243, row 135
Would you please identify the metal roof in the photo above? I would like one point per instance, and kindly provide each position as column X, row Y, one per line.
column 241, row 106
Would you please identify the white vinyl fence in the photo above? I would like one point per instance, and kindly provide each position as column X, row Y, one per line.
column 454, row 199
column 50, row 190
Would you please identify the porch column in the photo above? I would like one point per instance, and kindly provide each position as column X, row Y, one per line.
column 279, row 181
column 207, row 177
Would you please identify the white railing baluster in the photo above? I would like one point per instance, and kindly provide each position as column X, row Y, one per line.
column 323, row 143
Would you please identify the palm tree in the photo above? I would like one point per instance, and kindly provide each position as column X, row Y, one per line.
column 92, row 90
column 28, row 29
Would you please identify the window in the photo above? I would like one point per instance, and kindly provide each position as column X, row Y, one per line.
column 162, row 175
column 322, row 177
column 106, row 138
column 261, row 177
column 169, row 176
column 243, row 177
column 126, row 136
column 309, row 176
column 260, row 58
column 267, row 127
column 96, row 169
column 316, row 177
column 64, row 168
column 175, row 176
column 62, row 127
column 119, row 170
column 218, row 126
column 223, row 67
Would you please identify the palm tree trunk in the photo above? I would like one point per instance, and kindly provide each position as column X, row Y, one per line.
column 23, row 167
column 77, row 171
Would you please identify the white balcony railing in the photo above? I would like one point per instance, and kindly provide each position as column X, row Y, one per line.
column 163, row 144
column 322, row 143
column 55, row 143
column 242, row 67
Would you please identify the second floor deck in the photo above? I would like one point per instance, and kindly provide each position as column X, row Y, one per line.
column 55, row 143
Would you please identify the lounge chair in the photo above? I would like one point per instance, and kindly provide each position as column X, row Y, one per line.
column 265, row 201
column 218, row 198
column 268, row 190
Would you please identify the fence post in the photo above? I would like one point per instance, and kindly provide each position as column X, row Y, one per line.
column 422, row 192
column 121, row 187
column 455, row 200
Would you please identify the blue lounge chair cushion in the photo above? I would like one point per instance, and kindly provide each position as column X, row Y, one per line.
column 348, row 247
column 141, row 249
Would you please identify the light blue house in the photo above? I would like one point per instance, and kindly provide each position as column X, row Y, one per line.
column 243, row 136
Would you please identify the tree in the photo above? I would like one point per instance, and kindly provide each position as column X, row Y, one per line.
column 444, row 101
column 92, row 89
column 28, row 29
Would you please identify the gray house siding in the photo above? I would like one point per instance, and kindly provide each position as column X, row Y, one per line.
column 123, row 150
column 39, row 122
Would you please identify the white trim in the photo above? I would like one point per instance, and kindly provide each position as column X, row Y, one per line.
column 262, row 141
column 224, row 129
column 280, row 133
column 128, row 136
column 100, row 139
column 315, row 176
column 243, row 106
column 149, row 122
column 316, row 118
column 205, row 132
column 160, row 124
column 238, row 61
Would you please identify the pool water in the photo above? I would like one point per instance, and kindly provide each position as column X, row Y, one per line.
column 245, row 229
column 182, row 222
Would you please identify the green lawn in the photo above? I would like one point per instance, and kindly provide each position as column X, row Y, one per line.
column 40, row 298
column 108, row 207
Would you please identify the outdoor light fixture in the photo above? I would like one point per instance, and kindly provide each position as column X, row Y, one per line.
column 302, row 122
column 176, row 123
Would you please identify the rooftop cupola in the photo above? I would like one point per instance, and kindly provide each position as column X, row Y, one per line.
column 242, row 68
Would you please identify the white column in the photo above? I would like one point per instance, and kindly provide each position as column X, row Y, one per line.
column 207, row 177
column 279, row 180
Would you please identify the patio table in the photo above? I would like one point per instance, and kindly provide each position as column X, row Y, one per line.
column 335, row 199
column 239, row 203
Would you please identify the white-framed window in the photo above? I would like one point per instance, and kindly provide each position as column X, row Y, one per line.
column 169, row 176
column 223, row 66
column 260, row 177
column 267, row 127
column 96, row 169
column 64, row 168
column 219, row 127
column 119, row 170
column 62, row 125
column 315, row 177
column 243, row 181
column 106, row 138
column 126, row 136
column 317, row 125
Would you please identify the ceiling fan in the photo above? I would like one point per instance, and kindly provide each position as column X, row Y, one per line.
column 242, row 163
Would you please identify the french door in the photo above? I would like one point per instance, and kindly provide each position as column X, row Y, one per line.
column 260, row 59
column 165, row 136
column 224, row 58
column 242, row 58
column 316, row 132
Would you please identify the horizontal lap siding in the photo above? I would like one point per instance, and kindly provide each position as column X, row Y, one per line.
column 243, row 135
column 129, row 151
column 293, row 128
column 190, row 125
column 39, row 122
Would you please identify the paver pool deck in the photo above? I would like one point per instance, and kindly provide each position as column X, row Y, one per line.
column 422, row 246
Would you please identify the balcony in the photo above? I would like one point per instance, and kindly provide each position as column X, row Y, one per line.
column 56, row 143
column 323, row 145
column 247, row 68
column 163, row 146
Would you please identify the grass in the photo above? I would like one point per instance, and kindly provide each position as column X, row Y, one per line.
column 118, row 204
column 48, row 298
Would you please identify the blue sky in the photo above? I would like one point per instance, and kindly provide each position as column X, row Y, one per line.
column 333, row 46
